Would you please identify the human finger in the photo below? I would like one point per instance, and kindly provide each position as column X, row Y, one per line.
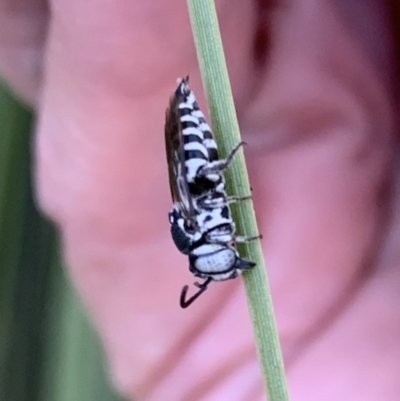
column 101, row 170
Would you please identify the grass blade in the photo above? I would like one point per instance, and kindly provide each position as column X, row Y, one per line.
column 226, row 129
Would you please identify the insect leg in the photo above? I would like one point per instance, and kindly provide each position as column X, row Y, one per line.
column 234, row 199
column 243, row 240
column 220, row 165
column 218, row 203
column 202, row 287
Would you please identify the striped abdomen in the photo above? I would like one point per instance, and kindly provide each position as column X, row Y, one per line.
column 198, row 142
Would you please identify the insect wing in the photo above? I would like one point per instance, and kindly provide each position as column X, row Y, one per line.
column 176, row 160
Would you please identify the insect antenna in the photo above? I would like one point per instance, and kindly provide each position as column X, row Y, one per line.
column 187, row 302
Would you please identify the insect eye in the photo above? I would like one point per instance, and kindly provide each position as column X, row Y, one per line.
column 189, row 226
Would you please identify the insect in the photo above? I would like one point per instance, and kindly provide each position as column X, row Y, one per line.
column 201, row 222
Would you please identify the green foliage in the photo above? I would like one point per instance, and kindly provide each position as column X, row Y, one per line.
column 48, row 349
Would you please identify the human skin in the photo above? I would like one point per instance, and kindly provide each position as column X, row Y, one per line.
column 321, row 126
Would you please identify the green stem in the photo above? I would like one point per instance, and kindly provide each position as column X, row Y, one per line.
column 215, row 77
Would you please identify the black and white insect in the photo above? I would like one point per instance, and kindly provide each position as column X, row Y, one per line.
column 201, row 222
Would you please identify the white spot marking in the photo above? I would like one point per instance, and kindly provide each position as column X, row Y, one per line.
column 197, row 113
column 210, row 143
column 215, row 261
column 190, row 118
column 196, row 146
column 205, row 127
column 193, row 166
column 185, row 106
column 193, row 131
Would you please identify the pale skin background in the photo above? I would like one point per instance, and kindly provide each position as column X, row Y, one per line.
column 321, row 126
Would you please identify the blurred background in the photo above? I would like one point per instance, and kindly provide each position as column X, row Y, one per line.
column 48, row 349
